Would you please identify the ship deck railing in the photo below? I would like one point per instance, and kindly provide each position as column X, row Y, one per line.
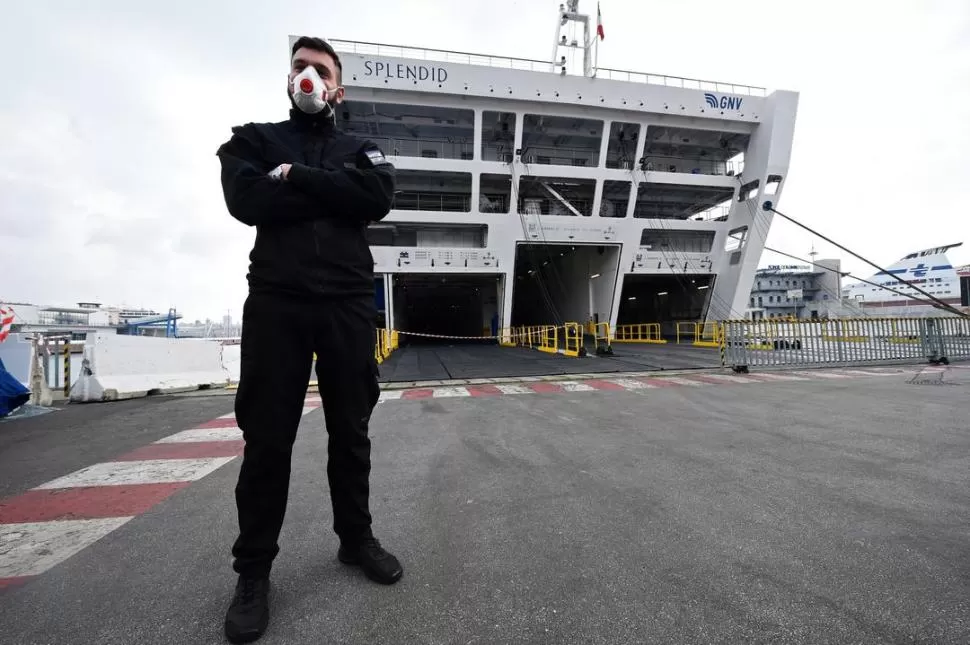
column 530, row 65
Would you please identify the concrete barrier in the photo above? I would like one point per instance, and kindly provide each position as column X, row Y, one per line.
column 231, row 360
column 118, row 367
column 24, row 362
column 17, row 354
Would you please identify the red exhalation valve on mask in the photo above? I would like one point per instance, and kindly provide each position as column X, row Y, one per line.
column 310, row 92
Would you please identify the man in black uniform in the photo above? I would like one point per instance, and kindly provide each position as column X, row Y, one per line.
column 310, row 190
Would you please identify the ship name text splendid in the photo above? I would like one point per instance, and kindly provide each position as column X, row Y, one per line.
column 405, row 72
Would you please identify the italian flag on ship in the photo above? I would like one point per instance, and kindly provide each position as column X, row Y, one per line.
column 599, row 22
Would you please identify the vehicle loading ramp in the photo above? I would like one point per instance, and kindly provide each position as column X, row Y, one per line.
column 467, row 361
column 441, row 362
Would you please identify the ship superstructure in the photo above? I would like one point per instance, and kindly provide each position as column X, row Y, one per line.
column 929, row 269
column 529, row 193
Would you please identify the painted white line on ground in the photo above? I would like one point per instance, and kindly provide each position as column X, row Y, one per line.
column 152, row 471
column 514, row 389
column 307, row 409
column 204, row 434
column 32, row 548
column 731, row 378
column 573, row 386
column 448, row 392
column 681, row 381
column 631, row 384
column 772, row 376
column 832, row 375
column 391, row 395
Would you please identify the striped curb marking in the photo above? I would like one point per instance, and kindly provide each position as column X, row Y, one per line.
column 635, row 383
column 51, row 522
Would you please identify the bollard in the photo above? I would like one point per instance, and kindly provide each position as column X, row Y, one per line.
column 67, row 368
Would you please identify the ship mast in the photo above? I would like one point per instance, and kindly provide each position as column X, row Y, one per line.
column 569, row 13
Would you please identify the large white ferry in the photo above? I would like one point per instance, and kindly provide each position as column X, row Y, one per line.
column 929, row 269
column 538, row 192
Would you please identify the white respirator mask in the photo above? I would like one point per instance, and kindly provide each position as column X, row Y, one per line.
column 309, row 92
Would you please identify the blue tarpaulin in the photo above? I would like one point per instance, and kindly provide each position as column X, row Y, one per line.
column 12, row 393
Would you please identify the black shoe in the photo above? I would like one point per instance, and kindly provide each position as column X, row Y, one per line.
column 379, row 565
column 248, row 614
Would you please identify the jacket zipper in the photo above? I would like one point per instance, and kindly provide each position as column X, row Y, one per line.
column 316, row 234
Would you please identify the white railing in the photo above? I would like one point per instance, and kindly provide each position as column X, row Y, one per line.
column 677, row 81
column 440, row 55
column 529, row 65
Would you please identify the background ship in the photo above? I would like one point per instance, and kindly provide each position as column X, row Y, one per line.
column 930, row 269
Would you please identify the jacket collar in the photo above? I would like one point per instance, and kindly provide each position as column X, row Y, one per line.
column 314, row 122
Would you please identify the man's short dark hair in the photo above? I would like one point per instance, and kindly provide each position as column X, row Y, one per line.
column 319, row 45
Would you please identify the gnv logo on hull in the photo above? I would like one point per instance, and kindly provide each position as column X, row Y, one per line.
column 724, row 102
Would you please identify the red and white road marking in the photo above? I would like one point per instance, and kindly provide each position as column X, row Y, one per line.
column 629, row 383
column 31, row 548
column 156, row 471
column 48, row 524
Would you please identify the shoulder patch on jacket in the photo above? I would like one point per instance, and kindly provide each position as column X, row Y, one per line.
column 372, row 156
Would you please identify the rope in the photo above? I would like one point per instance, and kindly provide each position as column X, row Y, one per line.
column 414, row 333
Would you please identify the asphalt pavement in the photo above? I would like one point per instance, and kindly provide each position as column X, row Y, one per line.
column 808, row 507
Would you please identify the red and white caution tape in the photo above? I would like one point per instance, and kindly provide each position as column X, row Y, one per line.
column 414, row 333
column 6, row 322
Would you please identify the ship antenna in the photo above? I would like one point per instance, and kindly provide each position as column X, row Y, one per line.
column 569, row 13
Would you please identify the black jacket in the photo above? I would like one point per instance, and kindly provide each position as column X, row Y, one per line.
column 310, row 228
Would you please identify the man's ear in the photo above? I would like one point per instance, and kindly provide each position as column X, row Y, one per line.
column 339, row 96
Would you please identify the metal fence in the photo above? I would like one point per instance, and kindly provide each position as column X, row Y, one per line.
column 767, row 343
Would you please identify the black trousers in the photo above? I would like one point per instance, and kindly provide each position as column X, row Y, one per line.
column 279, row 337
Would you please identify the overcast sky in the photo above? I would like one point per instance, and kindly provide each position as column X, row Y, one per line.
column 111, row 112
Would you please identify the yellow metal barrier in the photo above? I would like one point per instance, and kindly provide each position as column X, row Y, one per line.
column 545, row 338
column 708, row 334
column 641, row 333
column 507, row 337
column 380, row 346
column 387, row 341
column 548, row 339
column 686, row 330
column 601, row 338
column 574, row 339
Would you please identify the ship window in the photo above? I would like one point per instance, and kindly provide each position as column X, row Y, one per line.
column 498, row 136
column 561, row 141
column 495, row 193
column 772, row 185
column 672, row 241
column 401, row 130
column 427, row 190
column 717, row 213
column 412, row 235
column 622, row 145
column 676, row 201
column 736, row 239
column 616, row 198
column 556, row 196
column 749, row 190
column 697, row 152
